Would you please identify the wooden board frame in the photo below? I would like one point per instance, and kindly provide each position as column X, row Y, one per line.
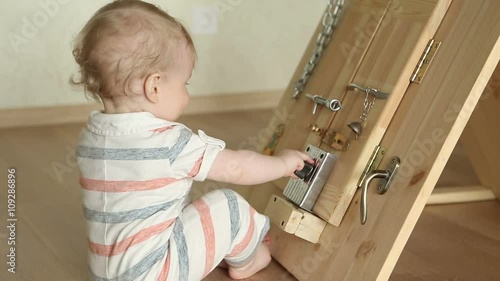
column 382, row 24
column 482, row 134
column 408, row 25
column 437, row 111
column 460, row 194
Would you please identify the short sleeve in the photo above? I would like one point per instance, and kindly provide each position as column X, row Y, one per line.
column 197, row 156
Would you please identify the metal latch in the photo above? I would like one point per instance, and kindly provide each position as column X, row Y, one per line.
column 425, row 61
column 373, row 163
column 305, row 190
column 332, row 104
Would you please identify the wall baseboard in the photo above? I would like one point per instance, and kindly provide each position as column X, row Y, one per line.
column 27, row 117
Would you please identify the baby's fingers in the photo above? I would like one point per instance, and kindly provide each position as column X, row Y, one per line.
column 306, row 157
column 300, row 166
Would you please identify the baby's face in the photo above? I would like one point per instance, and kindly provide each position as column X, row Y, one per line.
column 174, row 95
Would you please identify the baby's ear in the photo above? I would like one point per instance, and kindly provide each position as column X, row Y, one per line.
column 152, row 87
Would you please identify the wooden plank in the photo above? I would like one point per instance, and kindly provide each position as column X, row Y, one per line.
column 353, row 252
column 26, row 117
column 310, row 228
column 283, row 214
column 460, row 194
column 293, row 220
column 408, row 25
column 482, row 135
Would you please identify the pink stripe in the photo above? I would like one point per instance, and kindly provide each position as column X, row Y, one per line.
column 208, row 230
column 125, row 186
column 164, row 272
column 196, row 168
column 248, row 237
column 162, row 129
column 122, row 246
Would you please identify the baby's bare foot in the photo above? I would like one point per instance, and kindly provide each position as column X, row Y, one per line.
column 261, row 259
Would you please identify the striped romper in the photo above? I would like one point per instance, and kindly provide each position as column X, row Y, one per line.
column 136, row 174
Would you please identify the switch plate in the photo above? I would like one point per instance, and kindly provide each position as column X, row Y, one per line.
column 205, row 20
column 305, row 193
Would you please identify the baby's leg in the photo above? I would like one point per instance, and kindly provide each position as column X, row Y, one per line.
column 219, row 226
column 259, row 261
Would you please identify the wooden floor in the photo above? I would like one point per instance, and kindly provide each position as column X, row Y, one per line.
column 454, row 242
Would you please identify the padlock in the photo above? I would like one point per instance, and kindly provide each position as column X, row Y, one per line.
column 336, row 140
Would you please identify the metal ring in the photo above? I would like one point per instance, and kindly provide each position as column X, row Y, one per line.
column 309, row 68
column 328, row 19
column 315, row 58
column 321, row 40
column 335, row 105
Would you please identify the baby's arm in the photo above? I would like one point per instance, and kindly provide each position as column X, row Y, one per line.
column 249, row 168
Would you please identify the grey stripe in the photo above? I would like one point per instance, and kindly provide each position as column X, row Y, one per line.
column 234, row 212
column 158, row 153
column 265, row 229
column 138, row 269
column 126, row 216
column 182, row 250
column 181, row 143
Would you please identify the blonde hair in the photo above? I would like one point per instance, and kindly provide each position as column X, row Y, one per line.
column 123, row 41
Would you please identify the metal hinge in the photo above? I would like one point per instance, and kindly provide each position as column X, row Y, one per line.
column 425, row 61
column 373, row 163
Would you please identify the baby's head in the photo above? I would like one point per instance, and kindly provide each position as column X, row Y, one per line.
column 135, row 57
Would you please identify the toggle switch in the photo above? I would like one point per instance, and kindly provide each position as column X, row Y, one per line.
column 305, row 190
column 306, row 172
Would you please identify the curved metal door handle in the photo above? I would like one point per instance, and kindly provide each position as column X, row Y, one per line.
column 386, row 176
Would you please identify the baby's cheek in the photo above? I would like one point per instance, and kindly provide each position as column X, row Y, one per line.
column 186, row 99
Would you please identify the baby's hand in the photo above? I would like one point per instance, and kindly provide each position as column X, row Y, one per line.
column 294, row 160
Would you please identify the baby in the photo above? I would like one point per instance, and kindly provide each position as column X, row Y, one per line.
column 138, row 164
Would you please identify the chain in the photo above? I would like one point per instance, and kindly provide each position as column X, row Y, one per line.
column 330, row 21
column 367, row 106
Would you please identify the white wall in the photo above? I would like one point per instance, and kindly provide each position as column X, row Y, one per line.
column 257, row 46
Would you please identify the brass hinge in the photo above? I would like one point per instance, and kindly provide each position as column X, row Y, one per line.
column 373, row 163
column 425, row 61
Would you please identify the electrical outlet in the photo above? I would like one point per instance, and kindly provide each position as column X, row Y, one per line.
column 205, row 20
